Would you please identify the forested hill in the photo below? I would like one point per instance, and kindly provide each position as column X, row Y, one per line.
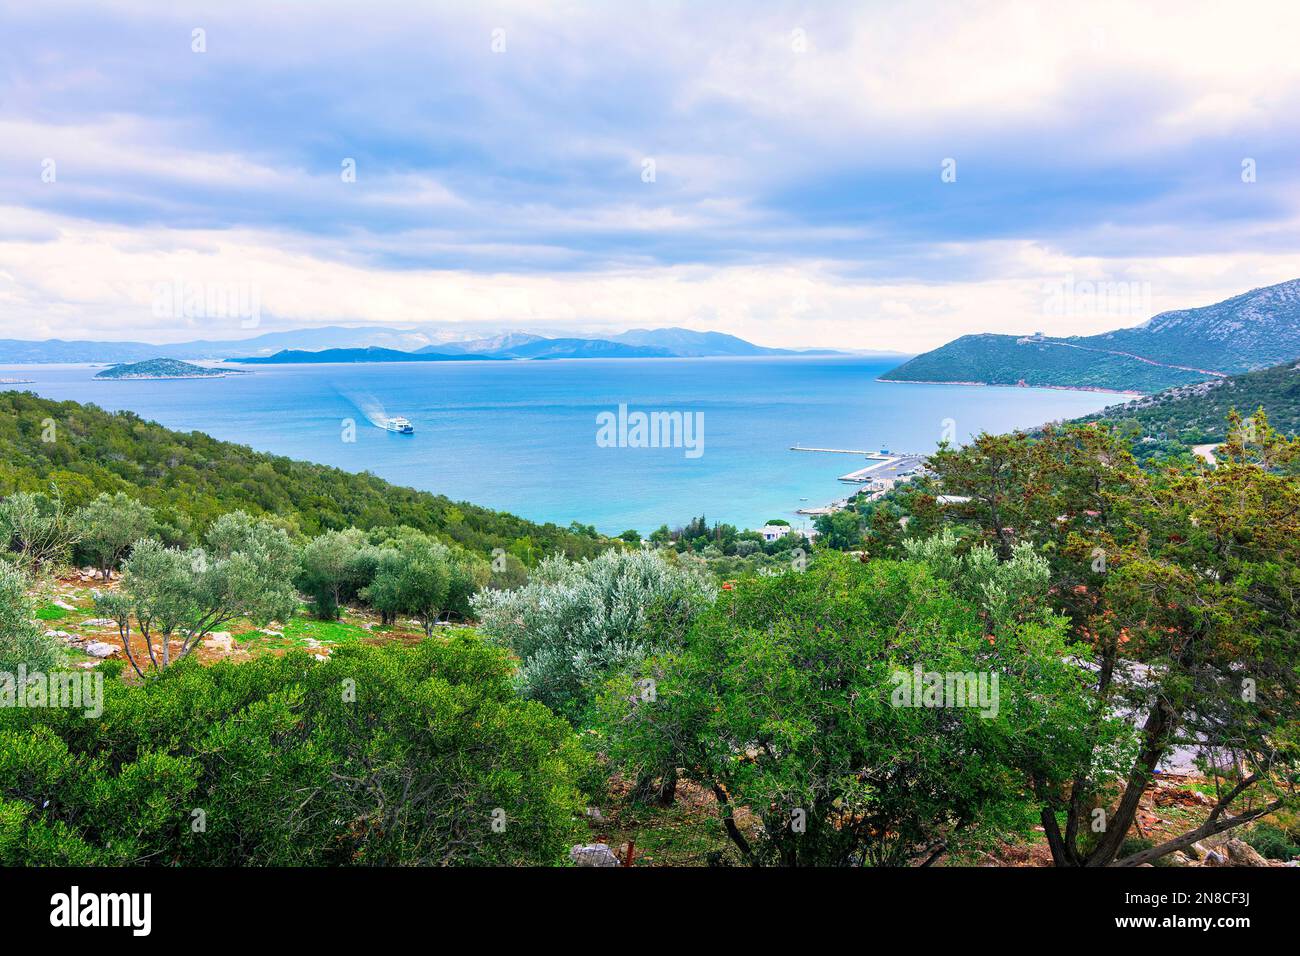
column 1251, row 331
column 191, row 478
column 1198, row 414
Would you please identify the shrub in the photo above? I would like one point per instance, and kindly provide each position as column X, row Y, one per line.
column 784, row 701
column 21, row 642
column 575, row 623
column 1272, row 842
column 397, row 755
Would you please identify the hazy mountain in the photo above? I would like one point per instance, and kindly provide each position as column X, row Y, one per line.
column 580, row 348
column 638, row 343
column 330, row 356
column 689, row 342
column 1250, row 331
column 19, row 351
column 492, row 343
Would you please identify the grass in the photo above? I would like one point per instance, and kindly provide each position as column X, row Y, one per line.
column 300, row 632
column 50, row 612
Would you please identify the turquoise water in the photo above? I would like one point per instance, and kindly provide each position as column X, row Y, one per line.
column 521, row 436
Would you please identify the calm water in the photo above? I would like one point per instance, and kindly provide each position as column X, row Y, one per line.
column 521, row 436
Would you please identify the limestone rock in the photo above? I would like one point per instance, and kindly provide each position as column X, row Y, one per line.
column 594, row 854
column 1241, row 853
column 220, row 641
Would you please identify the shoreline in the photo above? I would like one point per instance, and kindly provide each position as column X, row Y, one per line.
column 1059, row 388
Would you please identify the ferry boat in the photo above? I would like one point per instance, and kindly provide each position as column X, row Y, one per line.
column 399, row 425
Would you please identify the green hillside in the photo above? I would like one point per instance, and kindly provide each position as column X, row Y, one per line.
column 1198, row 414
column 1011, row 360
column 191, row 479
column 1255, row 330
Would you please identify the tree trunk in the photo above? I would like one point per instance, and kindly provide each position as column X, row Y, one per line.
column 1157, row 724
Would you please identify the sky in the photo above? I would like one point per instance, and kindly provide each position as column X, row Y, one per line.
column 820, row 174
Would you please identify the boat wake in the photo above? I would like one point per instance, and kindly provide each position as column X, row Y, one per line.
column 371, row 408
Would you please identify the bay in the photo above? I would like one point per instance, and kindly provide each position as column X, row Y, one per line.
column 522, row 436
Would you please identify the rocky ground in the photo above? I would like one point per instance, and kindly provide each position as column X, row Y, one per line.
column 66, row 609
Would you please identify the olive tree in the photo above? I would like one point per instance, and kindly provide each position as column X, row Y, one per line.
column 859, row 714
column 38, row 528
column 109, row 525
column 575, row 623
column 22, row 643
column 332, row 569
column 181, row 596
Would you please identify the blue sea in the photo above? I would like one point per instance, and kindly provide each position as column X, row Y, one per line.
column 522, row 436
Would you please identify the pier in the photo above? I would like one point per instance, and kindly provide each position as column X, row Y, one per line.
column 839, row 451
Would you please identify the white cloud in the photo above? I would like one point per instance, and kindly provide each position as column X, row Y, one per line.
column 98, row 282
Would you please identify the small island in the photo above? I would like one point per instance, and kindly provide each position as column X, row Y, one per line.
column 166, row 368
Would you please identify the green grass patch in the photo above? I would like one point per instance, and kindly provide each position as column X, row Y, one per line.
column 51, row 612
column 300, row 631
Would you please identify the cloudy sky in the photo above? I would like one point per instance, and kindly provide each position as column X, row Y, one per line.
column 865, row 175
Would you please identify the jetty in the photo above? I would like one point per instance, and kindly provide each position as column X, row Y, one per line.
column 837, row 451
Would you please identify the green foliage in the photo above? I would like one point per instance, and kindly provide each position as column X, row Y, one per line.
column 1169, row 424
column 382, row 756
column 108, row 527
column 1185, row 583
column 841, row 530
column 424, row 578
column 21, row 642
column 190, row 479
column 38, row 529
column 1272, row 842
column 575, row 623
column 784, row 701
column 189, row 594
column 335, row 567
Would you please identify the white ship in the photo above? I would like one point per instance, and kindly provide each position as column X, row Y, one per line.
column 399, row 425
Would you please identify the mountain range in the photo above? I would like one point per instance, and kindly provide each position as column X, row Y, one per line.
column 408, row 344
column 1251, row 331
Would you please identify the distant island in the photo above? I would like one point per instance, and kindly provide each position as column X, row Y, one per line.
column 166, row 368
column 337, row 356
column 1255, row 330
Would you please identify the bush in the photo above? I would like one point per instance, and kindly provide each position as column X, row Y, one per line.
column 575, row 623
column 785, row 702
column 397, row 755
column 21, row 642
column 1272, row 842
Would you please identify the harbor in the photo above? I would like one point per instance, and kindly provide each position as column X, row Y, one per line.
column 887, row 469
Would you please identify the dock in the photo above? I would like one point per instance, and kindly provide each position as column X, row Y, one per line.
column 895, row 467
column 838, row 451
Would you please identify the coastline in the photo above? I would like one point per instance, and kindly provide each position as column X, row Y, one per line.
column 1059, row 388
